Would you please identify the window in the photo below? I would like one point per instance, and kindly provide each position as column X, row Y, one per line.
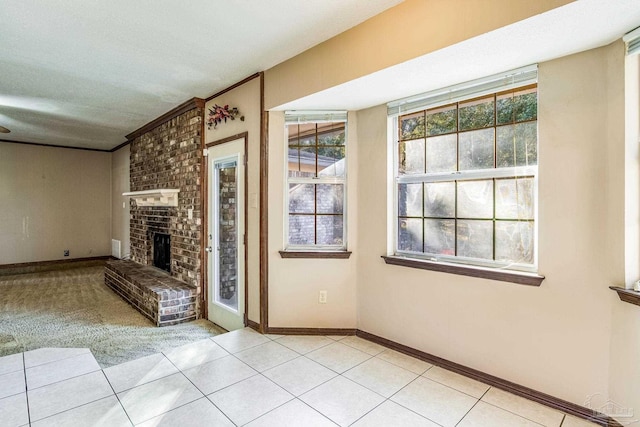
column 466, row 176
column 316, row 171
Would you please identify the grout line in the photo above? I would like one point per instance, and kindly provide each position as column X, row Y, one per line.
column 431, row 365
column 58, row 360
column 315, row 410
column 117, row 397
column 172, row 409
column 473, row 406
column 26, row 390
column 225, row 387
column 273, row 409
column 76, row 407
column 409, row 409
column 66, row 379
column 221, row 411
column 520, row 415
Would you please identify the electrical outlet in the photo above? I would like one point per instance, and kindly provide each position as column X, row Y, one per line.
column 66, row 252
column 322, row 297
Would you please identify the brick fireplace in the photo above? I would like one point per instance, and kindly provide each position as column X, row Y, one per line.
column 169, row 156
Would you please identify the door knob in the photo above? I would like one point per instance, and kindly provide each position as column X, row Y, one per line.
column 208, row 249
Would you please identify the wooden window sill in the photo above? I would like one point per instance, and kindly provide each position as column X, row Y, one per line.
column 627, row 295
column 520, row 278
column 315, row 254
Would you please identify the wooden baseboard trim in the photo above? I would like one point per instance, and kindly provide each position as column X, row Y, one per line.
column 536, row 396
column 253, row 325
column 54, row 262
column 311, row 331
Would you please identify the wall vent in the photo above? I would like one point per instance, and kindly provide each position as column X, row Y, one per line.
column 115, row 248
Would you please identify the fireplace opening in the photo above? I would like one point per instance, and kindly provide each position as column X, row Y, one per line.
column 162, row 251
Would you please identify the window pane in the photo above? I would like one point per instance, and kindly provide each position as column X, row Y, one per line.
column 331, row 161
column 440, row 199
column 307, row 162
column 410, row 199
column 307, row 134
column 329, row 230
column 475, row 199
column 514, row 241
column 330, row 198
column 410, row 234
column 517, row 145
column 301, row 229
column 412, row 126
column 441, row 153
column 476, row 149
column 301, row 198
column 294, row 162
column 476, row 114
column 439, row 236
column 302, row 134
column 331, row 134
column 514, row 198
column 292, row 131
column 517, row 106
column 475, row 239
column 442, row 120
column 411, row 157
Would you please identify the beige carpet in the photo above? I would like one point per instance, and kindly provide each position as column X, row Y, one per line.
column 74, row 308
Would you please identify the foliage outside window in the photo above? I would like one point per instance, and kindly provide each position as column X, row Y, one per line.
column 316, row 185
column 466, row 180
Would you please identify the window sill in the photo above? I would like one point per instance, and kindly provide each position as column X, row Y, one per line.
column 627, row 295
column 315, row 254
column 520, row 278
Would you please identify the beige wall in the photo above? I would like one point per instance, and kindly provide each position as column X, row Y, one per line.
column 120, row 183
column 247, row 99
column 294, row 284
column 551, row 338
column 53, row 199
column 424, row 26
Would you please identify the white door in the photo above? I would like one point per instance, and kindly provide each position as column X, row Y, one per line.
column 225, row 251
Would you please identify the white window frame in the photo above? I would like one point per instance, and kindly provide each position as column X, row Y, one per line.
column 307, row 117
column 490, row 85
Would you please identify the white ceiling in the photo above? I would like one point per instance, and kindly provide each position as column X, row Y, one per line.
column 578, row 26
column 84, row 73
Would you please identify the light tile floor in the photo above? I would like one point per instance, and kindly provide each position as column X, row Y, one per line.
column 244, row 378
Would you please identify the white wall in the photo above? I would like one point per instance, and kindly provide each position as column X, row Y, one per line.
column 52, row 199
column 120, row 206
column 247, row 99
column 551, row 338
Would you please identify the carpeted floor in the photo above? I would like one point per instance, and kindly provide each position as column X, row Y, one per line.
column 74, row 308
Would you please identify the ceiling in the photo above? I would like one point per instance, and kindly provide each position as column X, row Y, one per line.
column 84, row 73
column 575, row 27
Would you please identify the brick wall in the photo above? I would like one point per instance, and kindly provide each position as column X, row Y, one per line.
column 170, row 156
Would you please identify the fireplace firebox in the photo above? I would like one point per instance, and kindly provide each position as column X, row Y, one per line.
column 162, row 251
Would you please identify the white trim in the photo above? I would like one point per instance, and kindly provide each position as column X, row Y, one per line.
column 292, row 117
column 515, row 172
column 496, row 83
column 319, row 116
column 507, row 172
column 162, row 197
column 632, row 41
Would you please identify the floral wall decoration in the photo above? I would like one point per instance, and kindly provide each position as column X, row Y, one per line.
column 219, row 113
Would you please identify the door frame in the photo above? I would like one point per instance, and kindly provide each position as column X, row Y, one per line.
column 205, row 224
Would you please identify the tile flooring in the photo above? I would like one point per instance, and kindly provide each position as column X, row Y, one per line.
column 244, row 378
